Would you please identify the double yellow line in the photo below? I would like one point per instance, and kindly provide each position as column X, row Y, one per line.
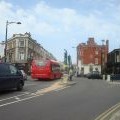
column 109, row 112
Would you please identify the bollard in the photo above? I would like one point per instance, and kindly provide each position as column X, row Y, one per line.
column 108, row 78
column 103, row 77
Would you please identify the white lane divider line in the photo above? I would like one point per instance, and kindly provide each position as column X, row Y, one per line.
column 17, row 98
column 20, row 100
column 41, row 90
column 14, row 96
column 34, row 95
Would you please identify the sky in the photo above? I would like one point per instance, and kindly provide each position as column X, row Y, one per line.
column 63, row 24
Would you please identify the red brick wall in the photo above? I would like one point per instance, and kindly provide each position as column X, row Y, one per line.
column 87, row 52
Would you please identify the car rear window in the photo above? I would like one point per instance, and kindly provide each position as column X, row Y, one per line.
column 95, row 72
column 4, row 69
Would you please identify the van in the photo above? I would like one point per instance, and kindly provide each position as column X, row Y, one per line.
column 10, row 77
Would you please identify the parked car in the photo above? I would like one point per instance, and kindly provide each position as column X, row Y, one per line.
column 94, row 75
column 10, row 77
column 24, row 74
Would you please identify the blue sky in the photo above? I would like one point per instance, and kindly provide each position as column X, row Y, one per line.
column 63, row 24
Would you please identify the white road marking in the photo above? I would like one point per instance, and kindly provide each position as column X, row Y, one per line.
column 54, row 87
column 14, row 96
column 20, row 100
column 17, row 98
column 62, row 88
column 36, row 94
column 41, row 90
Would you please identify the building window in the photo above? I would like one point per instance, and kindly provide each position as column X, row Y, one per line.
column 14, row 44
column 10, row 57
column 21, row 56
column 80, row 53
column 21, row 43
column 9, row 46
column 96, row 52
column 96, row 61
column 117, row 57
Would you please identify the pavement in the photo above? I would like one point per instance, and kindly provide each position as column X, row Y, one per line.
column 115, row 116
column 65, row 80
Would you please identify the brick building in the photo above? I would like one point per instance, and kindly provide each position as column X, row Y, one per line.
column 91, row 56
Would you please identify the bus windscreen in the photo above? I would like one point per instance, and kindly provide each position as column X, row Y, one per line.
column 40, row 63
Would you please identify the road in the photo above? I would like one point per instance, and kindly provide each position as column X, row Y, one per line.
column 41, row 100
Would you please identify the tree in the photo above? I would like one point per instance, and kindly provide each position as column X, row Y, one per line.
column 65, row 57
column 69, row 61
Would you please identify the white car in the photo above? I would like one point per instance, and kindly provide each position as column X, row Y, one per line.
column 24, row 74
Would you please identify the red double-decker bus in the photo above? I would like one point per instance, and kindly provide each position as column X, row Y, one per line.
column 45, row 69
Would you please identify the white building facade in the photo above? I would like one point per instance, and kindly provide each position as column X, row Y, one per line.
column 21, row 49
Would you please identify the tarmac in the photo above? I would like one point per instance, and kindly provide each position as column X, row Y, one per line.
column 114, row 112
column 111, row 114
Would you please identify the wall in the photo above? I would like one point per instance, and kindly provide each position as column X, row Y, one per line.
column 89, row 53
column 2, row 50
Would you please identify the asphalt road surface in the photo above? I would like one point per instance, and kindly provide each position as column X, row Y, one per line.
column 42, row 100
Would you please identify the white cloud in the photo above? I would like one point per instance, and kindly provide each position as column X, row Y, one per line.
column 61, row 23
column 4, row 7
column 43, row 19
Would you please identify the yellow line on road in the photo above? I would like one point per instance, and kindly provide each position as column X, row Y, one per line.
column 55, row 86
column 108, row 112
column 62, row 88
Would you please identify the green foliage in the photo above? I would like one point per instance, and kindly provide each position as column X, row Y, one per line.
column 65, row 57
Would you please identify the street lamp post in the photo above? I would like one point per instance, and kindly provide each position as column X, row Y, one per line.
column 5, row 50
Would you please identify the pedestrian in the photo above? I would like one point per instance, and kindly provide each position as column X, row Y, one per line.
column 70, row 74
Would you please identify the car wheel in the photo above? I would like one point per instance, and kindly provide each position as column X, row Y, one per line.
column 19, row 86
